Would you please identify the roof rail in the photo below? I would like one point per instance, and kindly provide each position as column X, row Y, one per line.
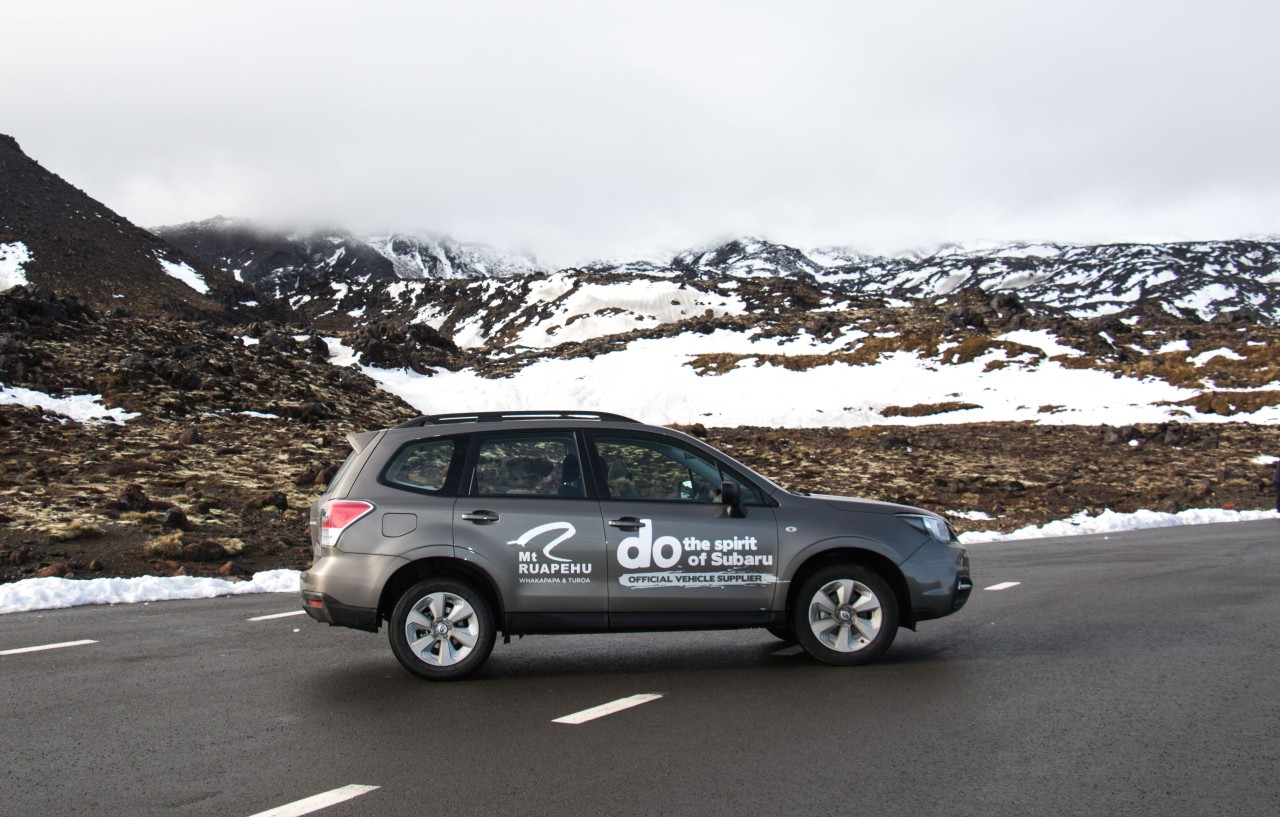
column 514, row 416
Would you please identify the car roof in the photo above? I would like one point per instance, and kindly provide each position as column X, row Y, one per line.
column 439, row 425
column 514, row 416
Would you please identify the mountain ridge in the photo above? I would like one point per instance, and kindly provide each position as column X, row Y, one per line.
column 64, row 240
column 1204, row 278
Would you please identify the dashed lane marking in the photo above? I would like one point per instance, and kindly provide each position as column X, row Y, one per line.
column 316, row 802
column 608, row 709
column 48, row 647
column 794, row 649
column 1002, row 586
column 278, row 615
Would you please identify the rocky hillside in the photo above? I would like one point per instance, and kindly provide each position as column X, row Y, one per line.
column 54, row 236
column 214, row 443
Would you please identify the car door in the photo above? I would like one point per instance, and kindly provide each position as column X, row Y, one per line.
column 676, row 554
column 525, row 513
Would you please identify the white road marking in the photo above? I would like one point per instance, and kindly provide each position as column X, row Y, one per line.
column 316, row 802
column 1002, row 586
column 278, row 615
column 794, row 649
column 47, row 647
column 608, row 709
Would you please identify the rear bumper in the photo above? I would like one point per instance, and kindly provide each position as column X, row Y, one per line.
column 325, row 609
column 343, row 589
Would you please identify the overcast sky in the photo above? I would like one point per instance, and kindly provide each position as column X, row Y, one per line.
column 577, row 130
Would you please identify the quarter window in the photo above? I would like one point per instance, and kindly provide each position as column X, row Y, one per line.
column 422, row 466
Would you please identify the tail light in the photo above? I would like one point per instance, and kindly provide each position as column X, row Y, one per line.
column 337, row 515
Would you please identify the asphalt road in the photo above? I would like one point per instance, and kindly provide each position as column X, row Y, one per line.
column 1130, row 674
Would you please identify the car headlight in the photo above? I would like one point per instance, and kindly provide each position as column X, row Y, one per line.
column 932, row 525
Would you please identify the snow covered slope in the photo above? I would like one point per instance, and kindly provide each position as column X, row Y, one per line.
column 755, row 333
column 1205, row 278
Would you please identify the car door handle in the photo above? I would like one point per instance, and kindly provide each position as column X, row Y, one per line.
column 626, row 523
column 481, row 517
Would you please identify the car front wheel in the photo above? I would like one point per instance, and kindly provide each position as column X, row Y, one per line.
column 442, row 629
column 846, row 615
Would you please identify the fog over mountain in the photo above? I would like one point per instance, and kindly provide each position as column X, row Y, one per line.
column 579, row 130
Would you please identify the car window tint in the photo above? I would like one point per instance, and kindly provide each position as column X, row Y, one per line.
column 423, row 466
column 649, row 469
column 525, row 465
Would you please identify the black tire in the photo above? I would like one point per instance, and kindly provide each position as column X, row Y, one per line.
column 846, row 615
column 453, row 625
column 785, row 633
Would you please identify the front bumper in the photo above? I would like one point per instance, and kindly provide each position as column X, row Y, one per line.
column 939, row 580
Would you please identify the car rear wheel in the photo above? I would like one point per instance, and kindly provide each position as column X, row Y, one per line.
column 846, row 615
column 442, row 629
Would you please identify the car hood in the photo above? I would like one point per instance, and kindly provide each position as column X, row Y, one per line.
column 852, row 505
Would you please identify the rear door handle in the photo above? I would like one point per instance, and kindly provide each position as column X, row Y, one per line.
column 481, row 517
column 626, row 523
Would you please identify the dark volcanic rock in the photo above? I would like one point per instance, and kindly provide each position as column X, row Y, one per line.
column 132, row 498
column 204, row 551
column 175, row 518
column 276, row 499
column 417, row 347
column 234, row 570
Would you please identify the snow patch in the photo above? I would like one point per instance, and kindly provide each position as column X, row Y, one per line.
column 82, row 408
column 597, row 310
column 1205, row 357
column 12, row 258
column 54, row 594
column 1204, row 300
column 184, row 273
column 1039, row 339
column 976, row 516
column 1110, row 522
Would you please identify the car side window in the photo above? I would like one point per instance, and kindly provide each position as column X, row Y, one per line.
column 529, row 465
column 657, row 470
column 422, row 466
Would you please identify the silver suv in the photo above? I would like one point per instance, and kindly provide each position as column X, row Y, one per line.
column 452, row 528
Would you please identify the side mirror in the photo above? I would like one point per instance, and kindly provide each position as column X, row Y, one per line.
column 731, row 495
